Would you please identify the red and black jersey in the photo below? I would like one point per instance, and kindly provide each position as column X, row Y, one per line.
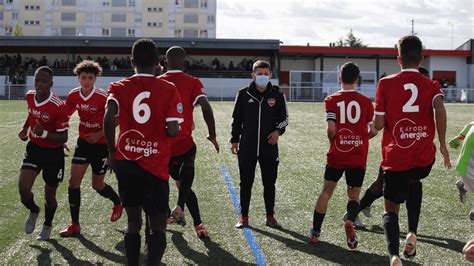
column 352, row 112
column 190, row 90
column 91, row 109
column 145, row 103
column 406, row 100
column 50, row 113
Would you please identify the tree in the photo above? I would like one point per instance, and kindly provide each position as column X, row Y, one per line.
column 18, row 30
column 350, row 41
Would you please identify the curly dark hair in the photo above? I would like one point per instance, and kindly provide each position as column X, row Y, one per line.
column 88, row 66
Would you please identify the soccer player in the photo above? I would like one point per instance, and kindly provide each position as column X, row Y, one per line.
column 465, row 162
column 89, row 101
column 183, row 148
column 349, row 117
column 46, row 126
column 260, row 116
column 149, row 112
column 404, row 108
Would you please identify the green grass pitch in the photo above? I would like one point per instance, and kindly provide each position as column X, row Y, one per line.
column 444, row 224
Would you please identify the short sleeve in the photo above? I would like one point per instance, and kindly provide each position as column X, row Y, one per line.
column 70, row 106
column 112, row 95
column 370, row 111
column 197, row 91
column 330, row 109
column 436, row 91
column 62, row 119
column 380, row 99
column 174, row 110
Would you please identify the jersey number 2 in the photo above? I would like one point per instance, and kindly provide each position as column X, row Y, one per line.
column 409, row 107
column 352, row 119
column 141, row 111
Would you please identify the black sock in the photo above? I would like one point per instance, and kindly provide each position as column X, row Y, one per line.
column 31, row 205
column 318, row 221
column 369, row 198
column 132, row 248
column 109, row 193
column 74, row 203
column 193, row 206
column 413, row 205
column 187, row 179
column 392, row 232
column 156, row 247
column 49, row 214
column 352, row 210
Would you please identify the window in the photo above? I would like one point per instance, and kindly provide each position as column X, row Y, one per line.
column 119, row 3
column 131, row 32
column 210, row 19
column 177, row 33
column 9, row 2
column 105, row 3
column 37, row 22
column 155, row 9
column 131, row 2
column 160, row 25
column 1, row 15
column 1, row 2
column 191, row 3
column 68, row 3
column 69, row 16
column 190, row 33
column 203, row 34
column 28, row 7
column 14, row 15
column 119, row 17
column 105, row 32
column 118, row 32
column 37, row 7
column 203, row 3
column 191, row 18
column 176, row 2
column 8, row 30
column 68, row 31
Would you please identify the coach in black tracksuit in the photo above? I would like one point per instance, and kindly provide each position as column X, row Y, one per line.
column 259, row 118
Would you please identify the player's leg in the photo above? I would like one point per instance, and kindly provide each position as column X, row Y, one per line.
column 331, row 177
column 25, row 184
column 354, row 180
column 247, row 164
column 99, row 167
column 396, row 185
column 131, row 186
column 156, row 207
column 269, row 169
column 186, row 179
column 372, row 193
column 177, row 214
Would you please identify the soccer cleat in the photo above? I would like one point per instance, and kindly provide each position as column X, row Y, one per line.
column 178, row 215
column 71, row 230
column 314, row 236
column 272, row 222
column 471, row 215
column 351, row 235
column 357, row 223
column 116, row 213
column 201, row 231
column 45, row 233
column 395, row 261
column 409, row 250
column 30, row 222
column 243, row 222
column 462, row 191
column 366, row 212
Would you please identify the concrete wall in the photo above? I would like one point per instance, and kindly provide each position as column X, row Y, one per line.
column 446, row 63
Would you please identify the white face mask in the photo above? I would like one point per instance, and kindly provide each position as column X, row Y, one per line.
column 262, row 81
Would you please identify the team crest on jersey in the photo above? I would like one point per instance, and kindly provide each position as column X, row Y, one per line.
column 179, row 107
column 93, row 108
column 271, row 102
column 45, row 116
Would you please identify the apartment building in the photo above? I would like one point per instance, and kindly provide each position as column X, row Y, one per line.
column 109, row 18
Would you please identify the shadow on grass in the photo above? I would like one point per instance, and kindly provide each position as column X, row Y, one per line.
column 443, row 242
column 216, row 254
column 325, row 250
column 101, row 252
column 44, row 258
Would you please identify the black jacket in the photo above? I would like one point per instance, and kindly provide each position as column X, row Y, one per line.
column 256, row 115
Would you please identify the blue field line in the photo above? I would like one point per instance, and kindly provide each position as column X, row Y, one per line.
column 257, row 253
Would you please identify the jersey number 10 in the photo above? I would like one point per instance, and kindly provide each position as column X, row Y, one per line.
column 352, row 105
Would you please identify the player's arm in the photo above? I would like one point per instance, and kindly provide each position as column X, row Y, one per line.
column 236, row 124
column 23, row 134
column 331, row 129
column 208, row 116
column 111, row 111
column 372, row 131
column 59, row 137
column 172, row 128
column 441, row 121
column 379, row 122
column 370, row 116
column 457, row 141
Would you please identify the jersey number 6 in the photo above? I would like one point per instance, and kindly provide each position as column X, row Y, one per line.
column 141, row 111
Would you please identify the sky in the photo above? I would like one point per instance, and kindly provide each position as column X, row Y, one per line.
column 440, row 24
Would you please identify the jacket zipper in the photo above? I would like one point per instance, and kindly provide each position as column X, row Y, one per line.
column 259, row 121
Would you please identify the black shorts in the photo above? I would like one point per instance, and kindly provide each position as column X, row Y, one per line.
column 138, row 187
column 177, row 162
column 354, row 176
column 396, row 184
column 51, row 161
column 94, row 154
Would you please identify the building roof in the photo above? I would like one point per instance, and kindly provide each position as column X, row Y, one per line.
column 362, row 52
